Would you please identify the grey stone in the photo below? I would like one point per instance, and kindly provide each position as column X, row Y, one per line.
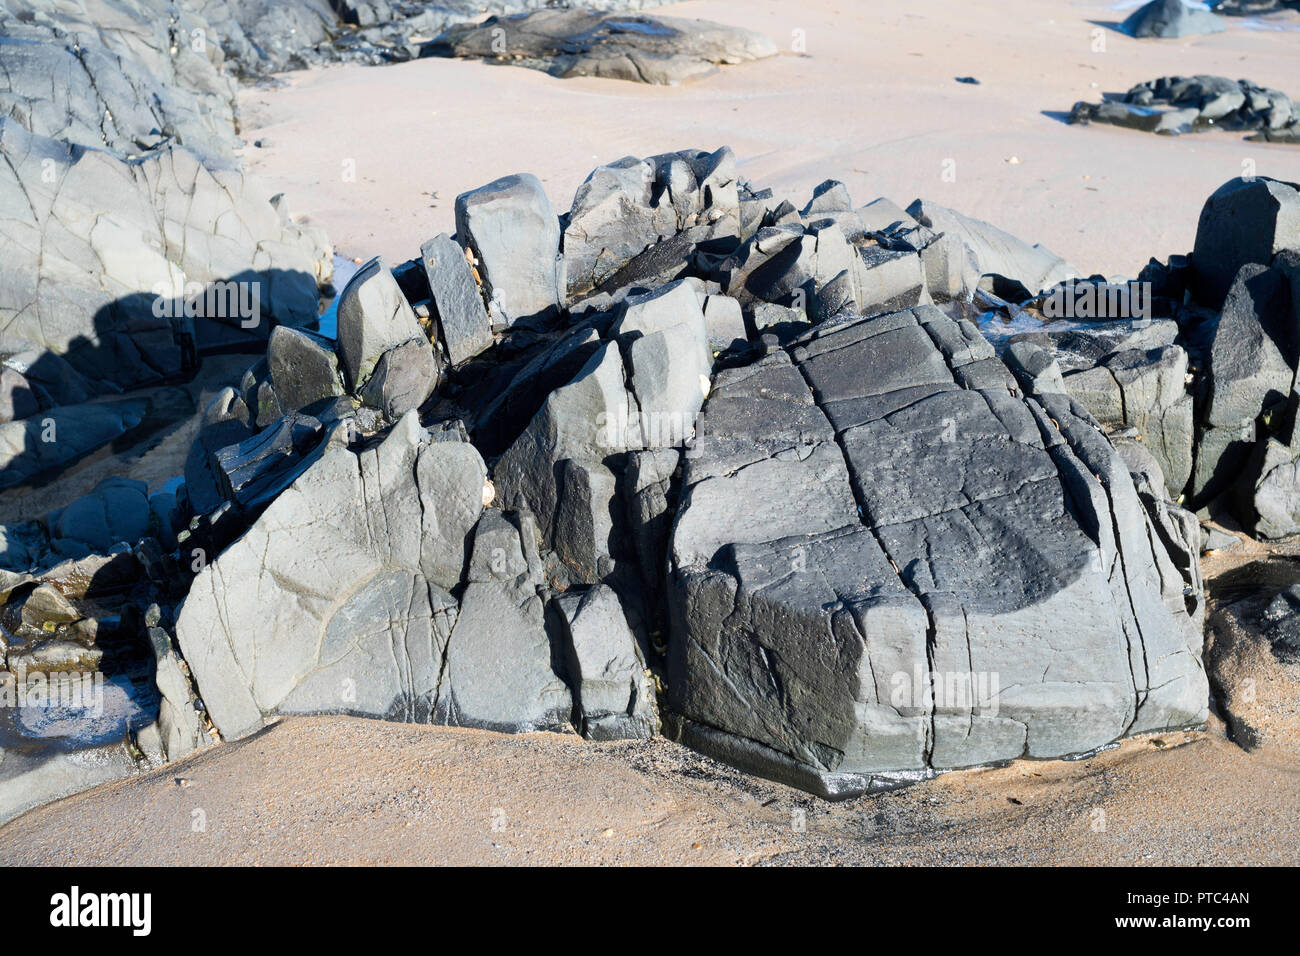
column 1241, row 223
column 116, row 511
column 303, row 370
column 606, row 668
column 349, row 618
column 725, row 322
column 462, row 320
column 513, row 231
column 1171, row 18
column 839, row 540
column 404, row 377
column 373, row 318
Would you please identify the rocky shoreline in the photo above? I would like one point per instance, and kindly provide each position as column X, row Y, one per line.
column 808, row 488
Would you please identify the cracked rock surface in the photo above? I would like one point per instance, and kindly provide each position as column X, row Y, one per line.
column 878, row 505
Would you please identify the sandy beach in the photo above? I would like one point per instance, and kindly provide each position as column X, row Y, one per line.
column 866, row 93
column 335, row 790
column 873, row 102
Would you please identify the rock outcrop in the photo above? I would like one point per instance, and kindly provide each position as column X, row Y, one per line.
column 1169, row 19
column 1173, row 105
column 621, row 46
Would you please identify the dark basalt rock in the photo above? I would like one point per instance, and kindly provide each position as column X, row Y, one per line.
column 1174, row 105
column 1171, row 18
column 636, row 47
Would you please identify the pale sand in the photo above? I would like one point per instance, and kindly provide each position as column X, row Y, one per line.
column 337, row 790
column 874, row 104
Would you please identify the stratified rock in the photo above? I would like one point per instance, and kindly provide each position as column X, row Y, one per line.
column 611, row 690
column 619, row 46
column 253, row 472
column 1171, row 18
column 868, row 539
column 463, row 322
column 513, row 231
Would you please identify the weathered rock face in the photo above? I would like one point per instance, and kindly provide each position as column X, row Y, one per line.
column 641, row 388
column 644, row 49
column 103, row 254
column 351, row 566
column 626, row 209
column 1171, row 18
column 876, row 546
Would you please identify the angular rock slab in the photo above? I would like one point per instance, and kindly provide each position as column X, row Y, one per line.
column 462, row 319
column 514, row 233
column 374, row 318
column 335, row 600
column 886, row 564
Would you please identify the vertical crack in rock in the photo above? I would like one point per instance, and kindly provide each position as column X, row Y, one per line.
column 868, row 521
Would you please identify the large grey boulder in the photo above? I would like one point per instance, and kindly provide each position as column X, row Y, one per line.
column 1171, row 18
column 514, row 233
column 351, row 566
column 623, row 46
column 874, row 548
column 1242, row 222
